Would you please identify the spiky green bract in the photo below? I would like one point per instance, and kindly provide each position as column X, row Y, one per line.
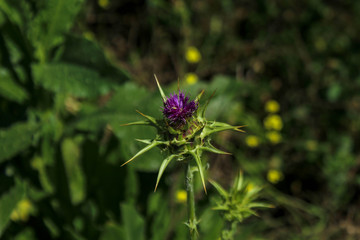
column 240, row 201
column 160, row 89
column 187, row 143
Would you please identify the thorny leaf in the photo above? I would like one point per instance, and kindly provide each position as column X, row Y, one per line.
column 145, row 149
column 163, row 166
column 195, row 154
column 160, row 89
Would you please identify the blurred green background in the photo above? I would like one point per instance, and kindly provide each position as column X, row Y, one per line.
column 73, row 71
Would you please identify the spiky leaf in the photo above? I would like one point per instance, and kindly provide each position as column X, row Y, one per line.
column 210, row 148
column 202, row 109
column 151, row 119
column 145, row 149
column 238, row 183
column 259, row 204
column 220, row 189
column 162, row 168
column 136, row 123
column 198, row 97
column 160, row 89
column 196, row 155
column 146, row 141
column 213, row 127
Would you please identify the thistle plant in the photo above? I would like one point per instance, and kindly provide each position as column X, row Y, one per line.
column 237, row 204
column 183, row 134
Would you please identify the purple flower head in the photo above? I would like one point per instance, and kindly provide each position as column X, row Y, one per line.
column 178, row 110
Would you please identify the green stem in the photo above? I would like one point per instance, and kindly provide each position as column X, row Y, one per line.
column 229, row 231
column 192, row 224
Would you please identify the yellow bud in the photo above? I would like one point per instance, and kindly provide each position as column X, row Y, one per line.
column 273, row 122
column 250, row 187
column 22, row 211
column 272, row 106
column 274, row 137
column 191, row 78
column 274, row 176
column 252, row 141
column 192, row 55
column 181, row 196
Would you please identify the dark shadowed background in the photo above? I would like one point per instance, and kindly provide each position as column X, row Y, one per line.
column 73, row 71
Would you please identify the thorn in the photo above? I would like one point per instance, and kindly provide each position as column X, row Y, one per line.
column 156, row 186
column 140, row 113
column 212, row 95
column 146, row 141
column 127, row 161
column 160, row 89
column 199, row 95
column 209, row 99
column 237, row 128
column 226, row 153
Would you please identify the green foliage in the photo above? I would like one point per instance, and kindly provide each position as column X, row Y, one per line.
column 71, row 155
column 133, row 223
column 16, row 139
column 49, row 26
column 10, row 89
column 74, row 50
column 112, row 232
column 158, row 210
column 8, row 202
column 70, row 80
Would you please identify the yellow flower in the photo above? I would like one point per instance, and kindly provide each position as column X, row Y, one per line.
column 181, row 196
column 272, row 106
column 250, row 187
column 252, row 141
column 274, row 176
column 192, row 55
column 274, row 137
column 273, row 122
column 22, row 211
column 191, row 78
column 103, row 3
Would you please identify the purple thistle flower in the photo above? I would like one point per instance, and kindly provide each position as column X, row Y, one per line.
column 178, row 110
